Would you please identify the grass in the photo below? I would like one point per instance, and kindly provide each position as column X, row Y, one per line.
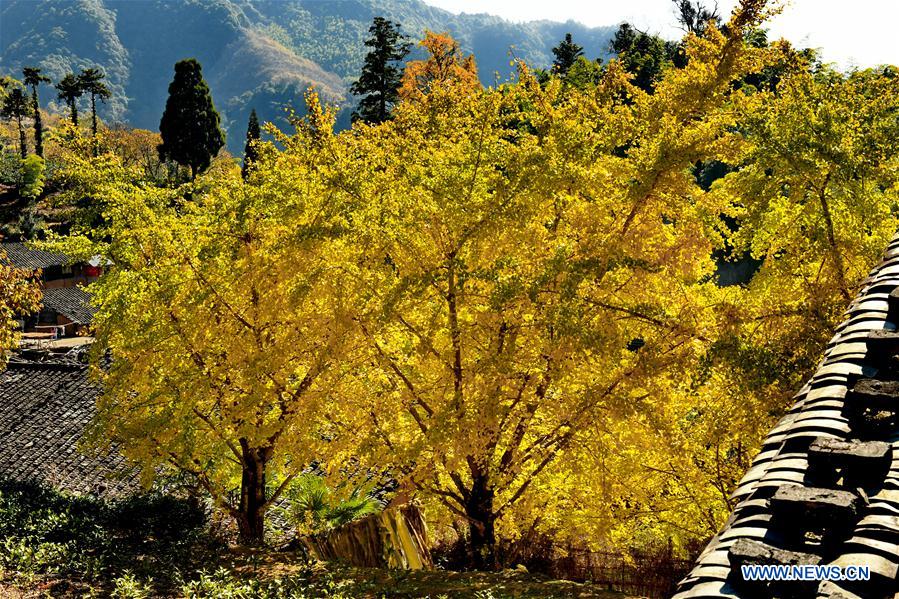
column 55, row 545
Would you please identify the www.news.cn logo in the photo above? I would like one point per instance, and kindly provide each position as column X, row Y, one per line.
column 806, row 572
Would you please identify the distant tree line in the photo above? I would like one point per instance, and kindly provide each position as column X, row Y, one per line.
column 190, row 125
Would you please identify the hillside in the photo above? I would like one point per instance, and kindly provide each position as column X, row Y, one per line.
column 256, row 53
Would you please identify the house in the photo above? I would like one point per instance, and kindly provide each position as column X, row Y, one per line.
column 66, row 309
column 57, row 270
column 45, row 409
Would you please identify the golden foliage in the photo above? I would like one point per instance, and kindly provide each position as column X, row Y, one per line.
column 506, row 298
column 445, row 64
column 20, row 295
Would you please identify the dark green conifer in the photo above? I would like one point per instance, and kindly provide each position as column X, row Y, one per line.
column 566, row 53
column 381, row 73
column 91, row 81
column 33, row 78
column 251, row 149
column 190, row 126
column 16, row 107
column 69, row 90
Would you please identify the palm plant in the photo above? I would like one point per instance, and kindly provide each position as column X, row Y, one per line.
column 315, row 506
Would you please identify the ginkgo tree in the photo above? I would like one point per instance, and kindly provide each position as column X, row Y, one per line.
column 538, row 265
column 814, row 198
column 445, row 62
column 20, row 294
column 225, row 319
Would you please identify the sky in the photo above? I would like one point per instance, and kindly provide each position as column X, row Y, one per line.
column 857, row 33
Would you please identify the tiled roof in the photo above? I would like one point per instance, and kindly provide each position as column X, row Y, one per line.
column 44, row 411
column 71, row 302
column 22, row 256
column 824, row 490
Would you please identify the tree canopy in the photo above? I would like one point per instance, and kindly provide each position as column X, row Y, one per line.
column 445, row 63
column 566, row 53
column 381, row 74
column 190, row 126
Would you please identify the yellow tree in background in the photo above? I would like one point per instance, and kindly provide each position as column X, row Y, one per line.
column 20, row 295
column 445, row 63
column 815, row 198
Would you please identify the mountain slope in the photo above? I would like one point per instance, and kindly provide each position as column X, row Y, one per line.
column 259, row 54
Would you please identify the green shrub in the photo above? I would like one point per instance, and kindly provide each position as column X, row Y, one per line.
column 32, row 177
column 128, row 586
column 222, row 584
column 10, row 168
column 43, row 532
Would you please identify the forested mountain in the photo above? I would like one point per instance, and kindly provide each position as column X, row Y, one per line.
column 255, row 53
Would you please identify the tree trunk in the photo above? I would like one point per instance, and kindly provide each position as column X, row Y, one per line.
column 251, row 518
column 93, row 115
column 95, row 146
column 38, row 128
column 74, row 108
column 835, row 253
column 23, row 144
column 481, row 520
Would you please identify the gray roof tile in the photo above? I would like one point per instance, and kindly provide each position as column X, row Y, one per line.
column 821, row 411
column 71, row 302
column 22, row 256
column 45, row 409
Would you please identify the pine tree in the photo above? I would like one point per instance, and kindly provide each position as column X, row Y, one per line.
column 191, row 135
column 695, row 17
column 566, row 53
column 91, row 81
column 381, row 76
column 33, row 78
column 15, row 107
column 69, row 90
column 251, row 149
column 642, row 55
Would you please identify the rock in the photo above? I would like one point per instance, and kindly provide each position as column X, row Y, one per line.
column 829, row 590
column 871, row 407
column 755, row 552
column 875, row 393
column 893, row 305
column 882, row 343
column 851, row 451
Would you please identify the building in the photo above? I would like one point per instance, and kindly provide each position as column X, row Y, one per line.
column 66, row 309
column 47, row 401
column 45, row 409
column 824, row 490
